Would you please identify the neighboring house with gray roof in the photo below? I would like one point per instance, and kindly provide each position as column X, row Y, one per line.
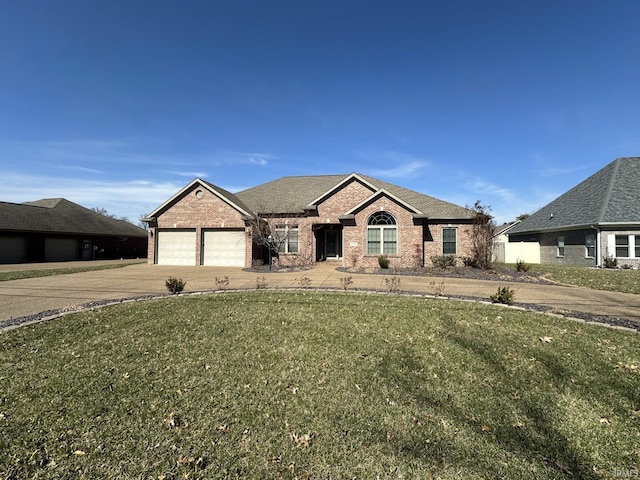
column 56, row 229
column 600, row 217
column 349, row 218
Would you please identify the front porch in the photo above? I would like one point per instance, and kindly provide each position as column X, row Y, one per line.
column 328, row 240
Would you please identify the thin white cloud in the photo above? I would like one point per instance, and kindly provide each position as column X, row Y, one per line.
column 481, row 186
column 401, row 165
column 128, row 199
column 260, row 159
column 190, row 174
column 77, row 168
column 95, row 156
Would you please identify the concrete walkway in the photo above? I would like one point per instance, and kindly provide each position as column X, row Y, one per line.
column 19, row 298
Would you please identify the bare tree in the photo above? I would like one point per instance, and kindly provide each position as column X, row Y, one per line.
column 276, row 233
column 482, row 236
column 103, row 211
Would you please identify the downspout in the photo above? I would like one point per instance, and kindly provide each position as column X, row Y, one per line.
column 598, row 256
column 422, row 245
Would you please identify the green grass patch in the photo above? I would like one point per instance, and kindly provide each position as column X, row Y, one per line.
column 614, row 280
column 317, row 385
column 48, row 272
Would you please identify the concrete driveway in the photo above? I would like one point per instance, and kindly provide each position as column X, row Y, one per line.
column 19, row 298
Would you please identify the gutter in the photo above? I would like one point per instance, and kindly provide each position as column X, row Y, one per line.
column 598, row 255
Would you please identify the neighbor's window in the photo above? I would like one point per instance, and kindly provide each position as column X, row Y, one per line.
column 287, row 238
column 637, row 246
column 622, row 246
column 590, row 245
column 449, row 243
column 560, row 246
column 382, row 234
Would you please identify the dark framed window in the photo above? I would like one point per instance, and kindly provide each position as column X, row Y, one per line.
column 560, row 246
column 590, row 246
column 637, row 249
column 287, row 238
column 622, row 246
column 449, row 241
column 382, row 234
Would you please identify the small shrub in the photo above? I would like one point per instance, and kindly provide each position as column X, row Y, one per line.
column 470, row 262
column 503, row 295
column 626, row 266
column 522, row 266
column 443, row 261
column 261, row 283
column 610, row 262
column 175, row 285
column 346, row 282
column 437, row 288
column 383, row 261
column 393, row 284
column 222, row 282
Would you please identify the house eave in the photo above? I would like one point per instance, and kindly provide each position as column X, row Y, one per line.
column 583, row 226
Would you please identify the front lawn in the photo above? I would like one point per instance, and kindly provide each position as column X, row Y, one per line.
column 611, row 279
column 317, row 385
column 48, row 272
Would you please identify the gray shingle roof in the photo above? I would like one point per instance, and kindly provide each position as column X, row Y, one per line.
column 293, row 194
column 230, row 197
column 57, row 215
column 609, row 196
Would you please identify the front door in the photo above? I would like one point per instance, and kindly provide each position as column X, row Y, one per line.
column 332, row 244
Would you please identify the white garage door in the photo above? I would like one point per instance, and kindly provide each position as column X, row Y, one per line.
column 224, row 248
column 60, row 249
column 176, row 247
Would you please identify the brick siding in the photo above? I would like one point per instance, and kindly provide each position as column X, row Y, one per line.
column 417, row 243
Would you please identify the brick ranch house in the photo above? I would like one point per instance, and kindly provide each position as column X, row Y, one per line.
column 347, row 218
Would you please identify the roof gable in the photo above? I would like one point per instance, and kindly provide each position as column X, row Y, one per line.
column 609, row 196
column 224, row 195
column 383, row 193
column 339, row 185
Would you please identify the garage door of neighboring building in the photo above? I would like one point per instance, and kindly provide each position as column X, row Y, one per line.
column 224, row 248
column 13, row 250
column 60, row 249
column 176, row 247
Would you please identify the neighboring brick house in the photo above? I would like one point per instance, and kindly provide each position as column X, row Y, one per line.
column 598, row 218
column 349, row 218
column 56, row 230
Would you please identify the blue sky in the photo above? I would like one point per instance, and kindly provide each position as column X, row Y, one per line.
column 119, row 104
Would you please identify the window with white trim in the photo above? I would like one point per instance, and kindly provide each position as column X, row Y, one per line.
column 637, row 247
column 449, row 241
column 286, row 237
column 622, row 246
column 590, row 246
column 382, row 234
column 560, row 247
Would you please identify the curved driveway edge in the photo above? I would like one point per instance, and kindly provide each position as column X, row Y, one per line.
column 21, row 298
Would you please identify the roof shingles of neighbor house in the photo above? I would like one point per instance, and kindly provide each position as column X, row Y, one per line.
column 57, row 215
column 295, row 194
column 609, row 196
